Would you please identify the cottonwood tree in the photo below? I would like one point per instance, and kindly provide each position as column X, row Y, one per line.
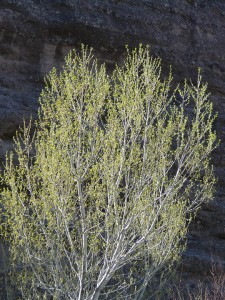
column 102, row 193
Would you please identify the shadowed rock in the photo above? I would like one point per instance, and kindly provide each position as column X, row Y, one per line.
column 35, row 35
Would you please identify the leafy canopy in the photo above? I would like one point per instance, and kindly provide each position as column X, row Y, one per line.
column 103, row 192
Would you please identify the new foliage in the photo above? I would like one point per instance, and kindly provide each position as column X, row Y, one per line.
column 102, row 193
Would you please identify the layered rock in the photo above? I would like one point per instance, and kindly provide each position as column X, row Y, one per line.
column 36, row 34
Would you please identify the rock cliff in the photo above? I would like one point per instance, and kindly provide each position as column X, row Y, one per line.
column 187, row 34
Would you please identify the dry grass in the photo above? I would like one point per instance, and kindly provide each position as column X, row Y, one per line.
column 212, row 289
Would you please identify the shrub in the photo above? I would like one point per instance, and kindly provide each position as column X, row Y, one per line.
column 103, row 191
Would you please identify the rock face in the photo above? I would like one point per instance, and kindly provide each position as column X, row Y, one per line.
column 36, row 34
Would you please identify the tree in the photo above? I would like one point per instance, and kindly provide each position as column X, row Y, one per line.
column 102, row 193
